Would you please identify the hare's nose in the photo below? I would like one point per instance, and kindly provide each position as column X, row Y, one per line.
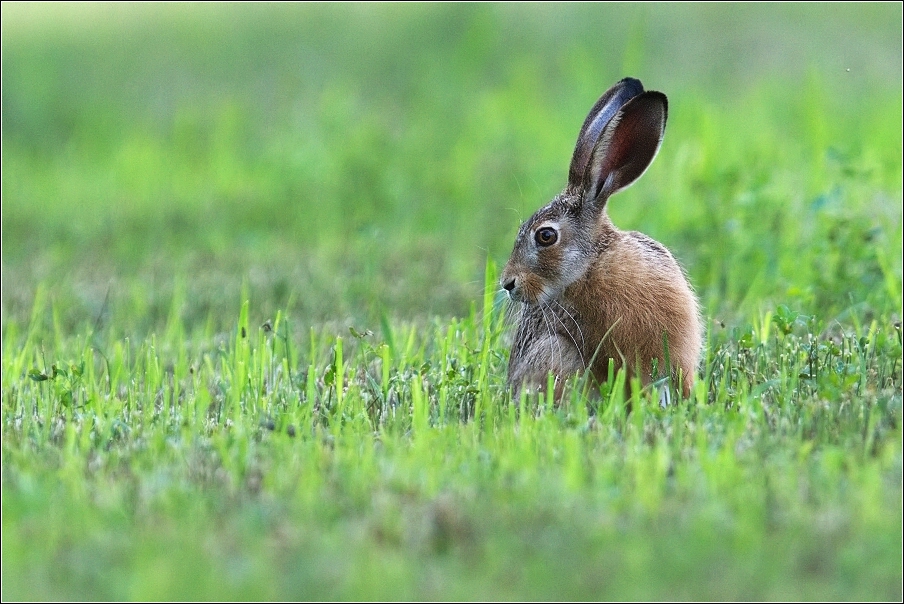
column 509, row 285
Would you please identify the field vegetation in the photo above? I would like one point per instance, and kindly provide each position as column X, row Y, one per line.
column 253, row 346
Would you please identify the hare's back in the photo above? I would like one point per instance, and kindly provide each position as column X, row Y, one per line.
column 654, row 254
column 641, row 283
column 646, row 294
column 639, row 258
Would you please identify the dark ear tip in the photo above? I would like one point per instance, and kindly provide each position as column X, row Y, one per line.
column 650, row 97
column 658, row 95
column 632, row 84
column 632, row 81
column 664, row 100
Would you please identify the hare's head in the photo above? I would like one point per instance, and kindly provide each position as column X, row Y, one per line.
column 559, row 243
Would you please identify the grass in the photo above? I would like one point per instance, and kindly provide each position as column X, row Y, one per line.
column 251, row 345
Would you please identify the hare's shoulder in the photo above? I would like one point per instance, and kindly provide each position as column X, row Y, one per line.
column 649, row 247
column 637, row 261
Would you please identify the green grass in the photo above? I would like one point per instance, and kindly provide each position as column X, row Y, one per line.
column 251, row 341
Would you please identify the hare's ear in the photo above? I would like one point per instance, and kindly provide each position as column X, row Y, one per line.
column 603, row 111
column 627, row 146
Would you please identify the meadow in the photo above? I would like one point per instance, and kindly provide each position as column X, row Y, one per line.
column 253, row 346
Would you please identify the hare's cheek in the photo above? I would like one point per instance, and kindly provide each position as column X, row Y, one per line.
column 550, row 265
column 574, row 265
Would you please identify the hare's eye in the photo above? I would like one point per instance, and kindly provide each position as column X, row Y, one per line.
column 546, row 236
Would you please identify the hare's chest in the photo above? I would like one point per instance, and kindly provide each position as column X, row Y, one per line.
column 549, row 338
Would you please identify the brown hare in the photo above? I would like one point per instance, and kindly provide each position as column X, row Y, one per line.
column 589, row 293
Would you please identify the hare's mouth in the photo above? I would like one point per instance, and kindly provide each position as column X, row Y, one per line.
column 515, row 293
column 527, row 290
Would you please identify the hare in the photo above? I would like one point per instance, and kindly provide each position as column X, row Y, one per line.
column 589, row 293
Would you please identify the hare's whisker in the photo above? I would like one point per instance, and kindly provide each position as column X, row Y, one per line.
column 568, row 331
column 552, row 333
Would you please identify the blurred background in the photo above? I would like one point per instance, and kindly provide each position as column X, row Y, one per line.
column 347, row 162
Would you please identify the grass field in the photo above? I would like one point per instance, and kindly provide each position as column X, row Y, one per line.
column 253, row 347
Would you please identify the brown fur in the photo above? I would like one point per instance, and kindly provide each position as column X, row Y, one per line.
column 619, row 310
column 599, row 294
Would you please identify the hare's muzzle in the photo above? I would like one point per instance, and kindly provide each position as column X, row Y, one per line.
column 510, row 284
